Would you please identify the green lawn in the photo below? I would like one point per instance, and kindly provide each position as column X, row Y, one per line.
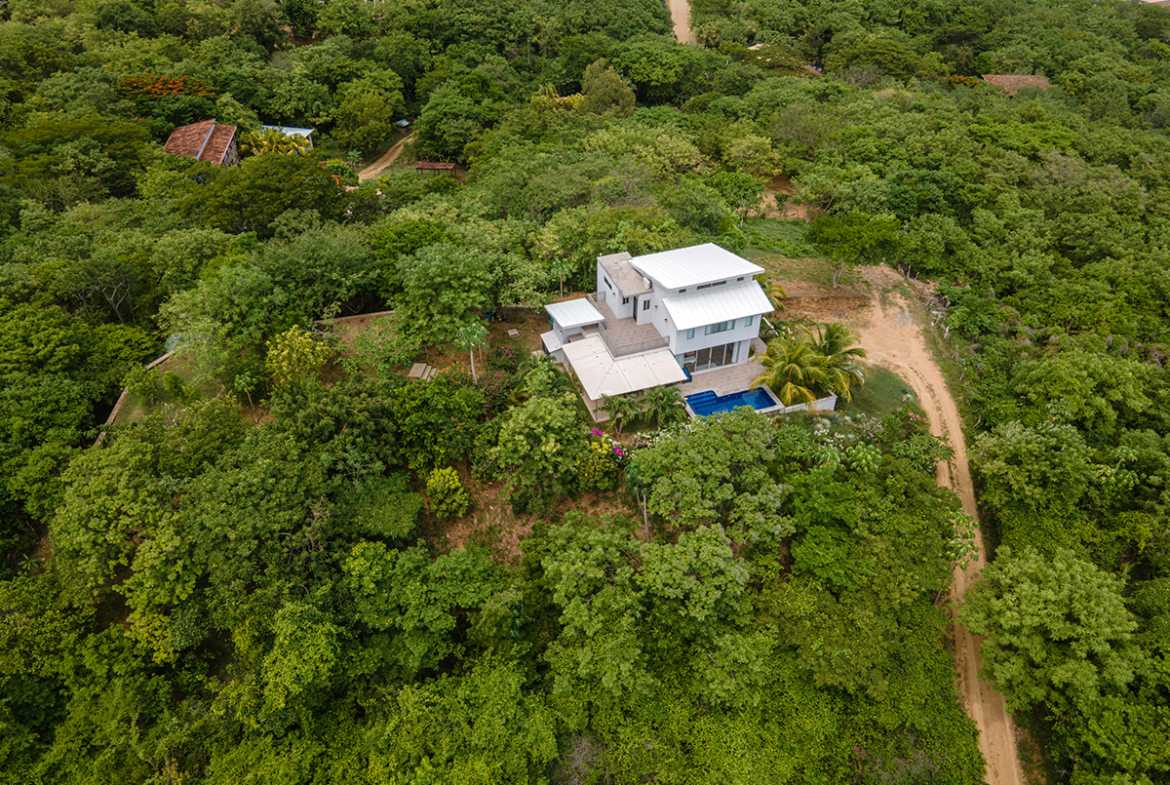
column 883, row 392
column 784, row 237
column 135, row 408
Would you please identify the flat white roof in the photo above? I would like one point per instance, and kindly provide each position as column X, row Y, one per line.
column 574, row 313
column 600, row 374
column 692, row 266
column 551, row 341
column 720, row 304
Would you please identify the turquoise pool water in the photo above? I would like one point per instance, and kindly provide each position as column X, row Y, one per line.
column 705, row 403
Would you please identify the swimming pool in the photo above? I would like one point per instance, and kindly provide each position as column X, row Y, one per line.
column 708, row 402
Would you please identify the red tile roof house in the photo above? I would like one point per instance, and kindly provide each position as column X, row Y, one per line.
column 206, row 141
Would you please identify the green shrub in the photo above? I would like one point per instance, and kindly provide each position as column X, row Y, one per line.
column 599, row 468
column 179, row 389
column 446, row 494
column 382, row 507
column 143, row 383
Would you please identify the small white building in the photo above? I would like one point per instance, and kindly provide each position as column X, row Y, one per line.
column 288, row 130
column 699, row 307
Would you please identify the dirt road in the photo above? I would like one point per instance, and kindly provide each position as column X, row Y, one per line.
column 680, row 12
column 374, row 170
column 893, row 338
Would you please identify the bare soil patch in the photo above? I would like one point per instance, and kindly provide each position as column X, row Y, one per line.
column 777, row 205
column 490, row 523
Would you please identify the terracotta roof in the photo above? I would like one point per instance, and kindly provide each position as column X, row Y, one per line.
column 204, row 141
column 1011, row 83
column 434, row 165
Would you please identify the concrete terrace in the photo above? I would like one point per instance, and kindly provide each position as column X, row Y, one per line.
column 627, row 332
column 728, row 379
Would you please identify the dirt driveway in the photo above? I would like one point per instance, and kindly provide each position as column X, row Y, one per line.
column 891, row 331
column 374, row 170
column 680, row 12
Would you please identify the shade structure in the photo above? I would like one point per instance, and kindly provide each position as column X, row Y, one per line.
column 600, row 374
column 574, row 313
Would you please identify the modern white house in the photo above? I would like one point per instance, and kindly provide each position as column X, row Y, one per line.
column 658, row 319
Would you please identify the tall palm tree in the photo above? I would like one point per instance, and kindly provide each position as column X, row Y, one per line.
column 666, row 404
column 619, row 407
column 792, row 368
column 839, row 355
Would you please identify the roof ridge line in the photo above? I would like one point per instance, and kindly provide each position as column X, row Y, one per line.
column 206, row 139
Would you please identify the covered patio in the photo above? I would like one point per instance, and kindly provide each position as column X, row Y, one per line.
column 602, row 375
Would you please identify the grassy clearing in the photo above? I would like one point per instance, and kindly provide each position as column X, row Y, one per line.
column 185, row 367
column 783, row 237
column 884, row 392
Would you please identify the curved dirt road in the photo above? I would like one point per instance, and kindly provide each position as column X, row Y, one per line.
column 893, row 339
column 374, row 170
column 680, row 12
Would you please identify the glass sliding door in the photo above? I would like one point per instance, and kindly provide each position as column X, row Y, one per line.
column 712, row 357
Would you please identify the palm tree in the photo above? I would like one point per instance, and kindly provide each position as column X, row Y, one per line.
column 836, row 344
column 777, row 294
column 792, row 367
column 270, row 140
column 666, row 404
column 618, row 407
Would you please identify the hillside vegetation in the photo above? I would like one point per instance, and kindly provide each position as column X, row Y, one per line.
column 259, row 581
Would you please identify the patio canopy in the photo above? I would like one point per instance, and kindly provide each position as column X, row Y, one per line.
column 601, row 374
column 574, row 313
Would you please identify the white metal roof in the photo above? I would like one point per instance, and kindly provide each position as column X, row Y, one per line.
column 600, row 374
column 574, row 313
column 288, row 130
column 720, row 304
column 692, row 266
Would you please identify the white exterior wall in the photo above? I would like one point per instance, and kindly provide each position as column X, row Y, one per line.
column 680, row 345
column 563, row 335
column 613, row 295
column 653, row 315
column 658, row 316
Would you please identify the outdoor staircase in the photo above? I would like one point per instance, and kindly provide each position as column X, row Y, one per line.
column 698, row 399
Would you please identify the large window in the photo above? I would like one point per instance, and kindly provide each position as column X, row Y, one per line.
column 722, row 327
column 713, row 357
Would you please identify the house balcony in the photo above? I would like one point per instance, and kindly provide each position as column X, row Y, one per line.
column 624, row 337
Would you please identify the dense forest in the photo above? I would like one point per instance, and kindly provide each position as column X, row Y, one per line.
column 251, row 582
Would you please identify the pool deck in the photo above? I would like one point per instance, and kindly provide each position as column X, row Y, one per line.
column 733, row 378
column 728, row 379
